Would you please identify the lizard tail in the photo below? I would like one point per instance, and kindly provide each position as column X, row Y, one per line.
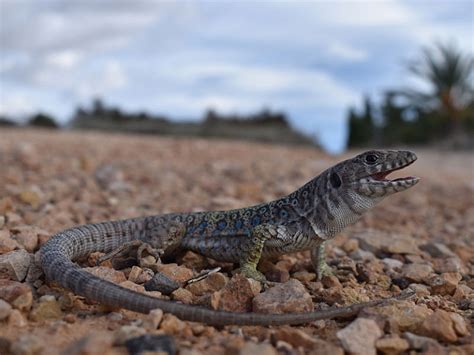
column 57, row 255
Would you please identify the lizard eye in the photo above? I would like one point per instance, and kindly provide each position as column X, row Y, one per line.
column 371, row 159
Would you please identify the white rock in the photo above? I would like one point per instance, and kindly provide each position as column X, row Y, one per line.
column 14, row 265
column 360, row 336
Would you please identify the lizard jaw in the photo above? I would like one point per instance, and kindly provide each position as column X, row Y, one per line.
column 380, row 178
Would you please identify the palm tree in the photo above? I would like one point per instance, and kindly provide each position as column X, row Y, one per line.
column 449, row 75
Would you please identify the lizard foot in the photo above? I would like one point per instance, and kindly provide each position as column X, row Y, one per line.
column 253, row 273
column 128, row 254
column 323, row 270
column 122, row 252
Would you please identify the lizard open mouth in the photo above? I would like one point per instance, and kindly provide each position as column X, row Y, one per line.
column 382, row 176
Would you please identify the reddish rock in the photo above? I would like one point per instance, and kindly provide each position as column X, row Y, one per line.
column 193, row 261
column 250, row 348
column 273, row 272
column 107, row 273
column 367, row 274
column 346, row 266
column 420, row 290
column 402, row 315
column 350, row 245
column 284, row 298
column 277, row 275
column 417, row 272
column 182, row 295
column 47, row 308
column 177, row 273
column 331, row 281
column 419, row 342
column 286, row 263
column 28, row 236
column 379, row 242
column 139, row 288
column 453, row 264
column 6, row 204
column 464, row 251
column 294, row 337
column 7, row 244
column 31, row 197
column 16, row 319
column 237, row 295
column 304, row 276
column 13, row 219
column 173, row 325
column 444, row 284
column 392, row 345
column 214, row 282
column 139, row 275
column 459, row 324
column 93, row 258
column 322, row 347
column 19, row 295
column 461, row 293
column 439, row 325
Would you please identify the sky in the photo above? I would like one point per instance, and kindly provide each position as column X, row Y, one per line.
column 312, row 59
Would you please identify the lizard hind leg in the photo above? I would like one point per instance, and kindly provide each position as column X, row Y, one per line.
column 164, row 238
column 157, row 241
column 123, row 256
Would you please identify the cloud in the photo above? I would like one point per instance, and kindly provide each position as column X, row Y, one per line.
column 109, row 78
column 307, row 87
column 15, row 104
column 368, row 14
column 346, row 52
column 66, row 59
column 59, row 25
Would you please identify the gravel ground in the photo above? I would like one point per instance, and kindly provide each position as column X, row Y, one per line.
column 422, row 239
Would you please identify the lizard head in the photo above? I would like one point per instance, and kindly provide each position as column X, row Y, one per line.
column 366, row 174
column 356, row 185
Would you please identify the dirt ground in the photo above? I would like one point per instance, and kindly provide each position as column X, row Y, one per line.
column 421, row 239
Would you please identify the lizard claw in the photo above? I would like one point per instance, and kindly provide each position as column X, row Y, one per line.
column 252, row 273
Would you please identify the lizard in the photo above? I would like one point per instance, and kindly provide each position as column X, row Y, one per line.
column 303, row 220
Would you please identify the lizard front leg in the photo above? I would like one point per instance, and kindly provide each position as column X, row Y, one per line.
column 252, row 254
column 318, row 259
